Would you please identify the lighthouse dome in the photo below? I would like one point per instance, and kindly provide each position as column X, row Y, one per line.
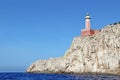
column 87, row 16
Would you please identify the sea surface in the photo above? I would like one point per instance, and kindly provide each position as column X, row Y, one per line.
column 36, row 76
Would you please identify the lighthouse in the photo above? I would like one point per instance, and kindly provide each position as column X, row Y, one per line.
column 88, row 31
column 87, row 21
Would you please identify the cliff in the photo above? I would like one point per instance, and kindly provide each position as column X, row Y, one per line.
column 99, row 53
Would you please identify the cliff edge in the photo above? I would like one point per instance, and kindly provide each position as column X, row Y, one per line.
column 99, row 53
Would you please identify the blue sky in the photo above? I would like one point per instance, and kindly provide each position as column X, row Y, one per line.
column 31, row 30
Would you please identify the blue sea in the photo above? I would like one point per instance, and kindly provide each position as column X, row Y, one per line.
column 38, row 76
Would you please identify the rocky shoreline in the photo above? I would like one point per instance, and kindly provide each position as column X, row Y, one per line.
column 99, row 53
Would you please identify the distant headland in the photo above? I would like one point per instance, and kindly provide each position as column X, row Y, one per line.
column 94, row 51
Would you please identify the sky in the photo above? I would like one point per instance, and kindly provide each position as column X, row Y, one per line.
column 32, row 30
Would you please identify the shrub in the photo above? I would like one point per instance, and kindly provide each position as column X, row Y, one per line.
column 114, row 23
column 119, row 22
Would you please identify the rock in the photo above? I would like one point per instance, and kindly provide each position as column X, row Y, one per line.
column 99, row 53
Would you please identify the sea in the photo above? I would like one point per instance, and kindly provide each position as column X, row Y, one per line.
column 39, row 76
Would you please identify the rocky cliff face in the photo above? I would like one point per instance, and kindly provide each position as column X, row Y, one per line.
column 99, row 53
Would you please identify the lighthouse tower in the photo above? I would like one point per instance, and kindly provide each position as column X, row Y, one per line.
column 87, row 31
column 87, row 22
